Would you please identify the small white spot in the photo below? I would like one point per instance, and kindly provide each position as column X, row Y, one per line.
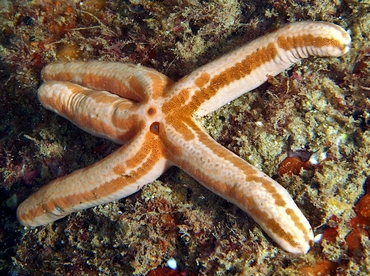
column 317, row 238
column 313, row 159
column 323, row 156
column 316, row 159
column 171, row 263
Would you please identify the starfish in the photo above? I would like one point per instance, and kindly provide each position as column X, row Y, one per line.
column 154, row 119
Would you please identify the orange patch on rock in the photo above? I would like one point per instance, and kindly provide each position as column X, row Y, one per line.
column 292, row 165
column 362, row 210
column 354, row 239
column 324, row 267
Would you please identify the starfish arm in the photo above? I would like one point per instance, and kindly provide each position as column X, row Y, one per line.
column 118, row 175
column 134, row 82
column 100, row 113
column 225, row 79
column 232, row 178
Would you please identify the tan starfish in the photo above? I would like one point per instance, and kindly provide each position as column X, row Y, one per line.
column 155, row 119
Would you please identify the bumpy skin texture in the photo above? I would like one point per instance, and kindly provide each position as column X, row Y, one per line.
column 155, row 120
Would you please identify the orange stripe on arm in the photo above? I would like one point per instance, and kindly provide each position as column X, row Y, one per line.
column 92, row 110
column 126, row 80
column 229, row 176
column 117, row 176
column 244, row 69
